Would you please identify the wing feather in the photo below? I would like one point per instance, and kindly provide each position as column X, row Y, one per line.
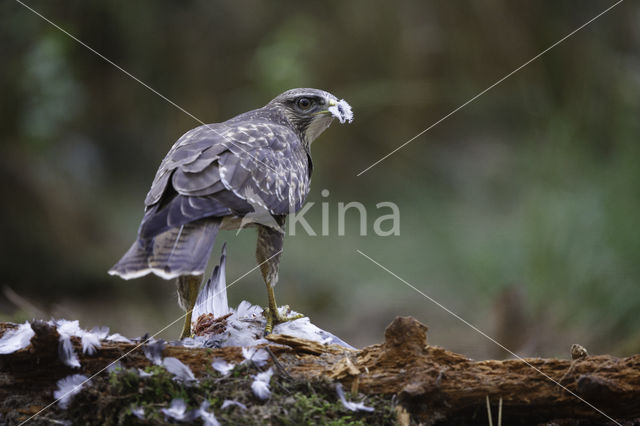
column 208, row 175
column 195, row 150
column 186, row 182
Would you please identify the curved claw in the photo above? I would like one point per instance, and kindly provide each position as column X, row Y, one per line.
column 274, row 318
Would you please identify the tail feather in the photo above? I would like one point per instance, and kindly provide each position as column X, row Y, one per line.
column 212, row 298
column 178, row 251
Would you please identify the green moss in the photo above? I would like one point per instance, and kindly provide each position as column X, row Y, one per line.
column 111, row 399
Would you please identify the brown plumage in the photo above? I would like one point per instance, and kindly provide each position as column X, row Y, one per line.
column 215, row 176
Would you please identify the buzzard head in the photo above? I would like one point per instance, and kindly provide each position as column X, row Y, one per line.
column 310, row 111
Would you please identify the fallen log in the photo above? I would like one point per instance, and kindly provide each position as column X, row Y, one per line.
column 424, row 384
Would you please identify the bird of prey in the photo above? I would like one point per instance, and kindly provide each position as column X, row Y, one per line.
column 217, row 176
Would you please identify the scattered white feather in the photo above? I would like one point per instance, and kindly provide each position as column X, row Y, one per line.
column 231, row 402
column 143, row 373
column 178, row 369
column 258, row 356
column 153, row 351
column 342, row 111
column 212, row 298
column 239, row 332
column 90, row 343
column 190, row 342
column 68, row 387
column 221, row 366
column 247, row 311
column 138, row 412
column 207, row 417
column 101, row 332
column 67, row 353
column 245, row 326
column 304, row 329
column 90, row 340
column 118, row 338
column 16, row 339
column 353, row 406
column 260, row 385
column 177, row 411
column 68, row 328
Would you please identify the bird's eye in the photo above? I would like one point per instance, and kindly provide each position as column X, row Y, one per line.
column 304, row 103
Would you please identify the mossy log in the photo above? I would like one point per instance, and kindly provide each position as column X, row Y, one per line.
column 426, row 384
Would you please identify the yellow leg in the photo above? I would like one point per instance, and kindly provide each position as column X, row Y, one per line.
column 268, row 250
column 186, row 327
column 188, row 287
column 272, row 313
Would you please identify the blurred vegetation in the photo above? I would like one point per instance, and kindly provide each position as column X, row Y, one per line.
column 521, row 212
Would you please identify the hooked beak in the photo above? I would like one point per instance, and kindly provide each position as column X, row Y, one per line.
column 330, row 103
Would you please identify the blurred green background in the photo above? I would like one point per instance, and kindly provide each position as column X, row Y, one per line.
column 521, row 212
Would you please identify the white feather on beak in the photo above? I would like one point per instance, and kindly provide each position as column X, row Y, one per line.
column 341, row 110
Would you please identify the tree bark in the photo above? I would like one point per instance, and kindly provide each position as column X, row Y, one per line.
column 431, row 385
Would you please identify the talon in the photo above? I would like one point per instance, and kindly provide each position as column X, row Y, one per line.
column 275, row 319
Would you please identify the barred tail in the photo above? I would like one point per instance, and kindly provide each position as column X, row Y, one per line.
column 178, row 251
